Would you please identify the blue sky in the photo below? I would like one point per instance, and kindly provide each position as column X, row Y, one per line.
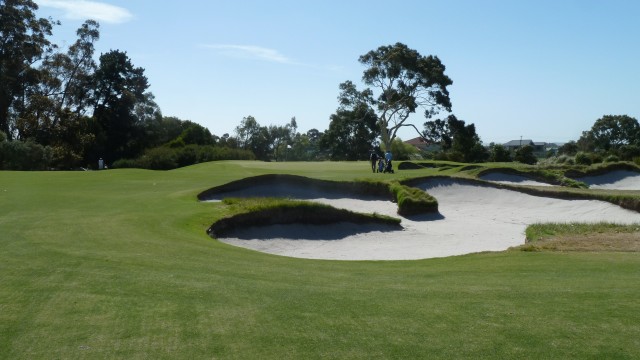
column 544, row 70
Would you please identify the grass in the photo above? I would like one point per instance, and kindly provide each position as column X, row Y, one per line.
column 582, row 237
column 117, row 264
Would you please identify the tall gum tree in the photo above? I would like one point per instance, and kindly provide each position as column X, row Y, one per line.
column 400, row 82
column 23, row 43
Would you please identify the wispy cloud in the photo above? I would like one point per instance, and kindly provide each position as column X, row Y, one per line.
column 84, row 9
column 250, row 52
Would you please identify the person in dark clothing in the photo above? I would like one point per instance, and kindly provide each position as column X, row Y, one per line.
column 373, row 157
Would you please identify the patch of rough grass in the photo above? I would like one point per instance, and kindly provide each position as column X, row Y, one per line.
column 599, row 169
column 413, row 201
column 598, row 237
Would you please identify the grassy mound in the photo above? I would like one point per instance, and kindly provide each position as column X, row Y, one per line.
column 413, row 201
column 410, row 201
column 263, row 212
column 284, row 181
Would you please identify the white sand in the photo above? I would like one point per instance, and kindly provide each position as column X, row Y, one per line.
column 503, row 178
column 615, row 180
column 473, row 219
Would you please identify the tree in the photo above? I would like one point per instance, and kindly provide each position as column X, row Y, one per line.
column 611, row 132
column 67, row 83
column 247, row 129
column 23, row 42
column 119, row 86
column 72, row 73
column 459, row 139
column 403, row 81
column 438, row 132
column 252, row 136
column 569, row 148
column 196, row 134
column 525, row 155
column 351, row 134
column 402, row 150
column 498, row 153
column 281, row 137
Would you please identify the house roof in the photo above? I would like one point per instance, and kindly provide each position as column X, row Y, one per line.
column 417, row 142
column 519, row 142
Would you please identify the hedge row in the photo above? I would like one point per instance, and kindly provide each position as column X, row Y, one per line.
column 167, row 158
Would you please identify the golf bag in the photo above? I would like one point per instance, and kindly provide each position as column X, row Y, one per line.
column 388, row 168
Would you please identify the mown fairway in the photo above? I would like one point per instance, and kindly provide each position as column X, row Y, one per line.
column 116, row 264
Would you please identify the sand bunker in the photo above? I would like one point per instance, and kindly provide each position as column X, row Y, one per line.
column 472, row 218
column 513, row 179
column 615, row 180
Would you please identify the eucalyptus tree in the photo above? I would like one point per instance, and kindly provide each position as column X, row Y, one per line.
column 73, row 73
column 23, row 43
column 400, row 81
column 66, row 91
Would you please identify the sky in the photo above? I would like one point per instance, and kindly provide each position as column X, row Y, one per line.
column 544, row 70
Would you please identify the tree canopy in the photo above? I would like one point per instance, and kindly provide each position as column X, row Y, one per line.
column 611, row 132
column 400, row 81
column 351, row 133
column 23, row 42
column 456, row 137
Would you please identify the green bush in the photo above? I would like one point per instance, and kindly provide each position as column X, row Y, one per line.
column 499, row 153
column 525, row 155
column 160, row 158
column 582, row 158
column 24, row 155
column 628, row 152
column 611, row 158
column 126, row 163
column 596, row 158
column 187, row 155
column 166, row 157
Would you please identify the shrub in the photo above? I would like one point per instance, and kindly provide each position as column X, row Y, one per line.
column 160, row 158
column 525, row 155
column 582, row 158
column 166, row 158
column 187, row 155
column 499, row 153
column 611, row 158
column 595, row 158
column 628, row 152
column 126, row 163
column 402, row 150
column 24, row 155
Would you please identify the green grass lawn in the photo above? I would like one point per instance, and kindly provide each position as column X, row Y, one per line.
column 117, row 264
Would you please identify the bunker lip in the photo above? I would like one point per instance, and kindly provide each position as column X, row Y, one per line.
column 473, row 218
column 504, row 178
column 614, row 180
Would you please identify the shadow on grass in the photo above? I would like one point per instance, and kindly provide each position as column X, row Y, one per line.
column 336, row 231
